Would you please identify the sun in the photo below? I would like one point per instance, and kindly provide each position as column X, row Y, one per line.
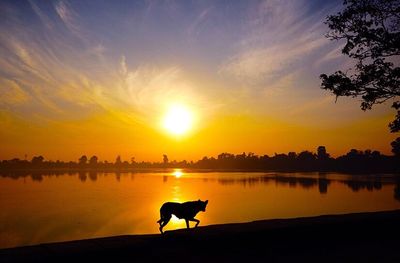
column 178, row 120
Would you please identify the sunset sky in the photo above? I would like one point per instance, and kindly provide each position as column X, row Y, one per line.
column 101, row 78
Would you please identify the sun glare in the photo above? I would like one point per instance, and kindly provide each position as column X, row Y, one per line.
column 178, row 120
column 177, row 173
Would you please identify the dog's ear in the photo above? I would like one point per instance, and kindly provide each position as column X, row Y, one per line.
column 206, row 201
column 199, row 200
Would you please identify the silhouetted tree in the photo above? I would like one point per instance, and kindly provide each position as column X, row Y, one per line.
column 165, row 159
column 396, row 147
column 292, row 155
column 371, row 29
column 118, row 161
column 354, row 153
column 93, row 160
column 375, row 154
column 397, row 192
column 37, row 160
column 306, row 156
column 83, row 160
column 321, row 153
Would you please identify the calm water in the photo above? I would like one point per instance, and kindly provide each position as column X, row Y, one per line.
column 43, row 208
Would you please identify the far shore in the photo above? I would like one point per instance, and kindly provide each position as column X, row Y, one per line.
column 187, row 170
column 358, row 237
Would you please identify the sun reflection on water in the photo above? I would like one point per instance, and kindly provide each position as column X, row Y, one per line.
column 177, row 197
column 177, row 173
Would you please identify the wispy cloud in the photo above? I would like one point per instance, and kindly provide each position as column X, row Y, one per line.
column 281, row 39
column 123, row 67
column 267, row 64
column 43, row 17
column 62, row 74
column 45, row 73
column 12, row 94
column 195, row 27
column 56, row 84
column 148, row 90
column 68, row 16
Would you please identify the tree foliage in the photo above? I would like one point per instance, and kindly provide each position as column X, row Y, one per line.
column 371, row 30
column 396, row 147
column 83, row 160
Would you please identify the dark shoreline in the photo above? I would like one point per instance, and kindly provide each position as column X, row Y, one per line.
column 370, row 237
column 24, row 171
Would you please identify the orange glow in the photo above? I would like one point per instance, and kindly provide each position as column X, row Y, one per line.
column 109, row 135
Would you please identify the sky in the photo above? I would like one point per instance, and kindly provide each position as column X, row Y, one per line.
column 98, row 78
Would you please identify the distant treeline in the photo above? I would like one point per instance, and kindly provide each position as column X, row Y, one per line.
column 353, row 161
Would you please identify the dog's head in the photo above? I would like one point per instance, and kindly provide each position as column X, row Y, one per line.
column 202, row 205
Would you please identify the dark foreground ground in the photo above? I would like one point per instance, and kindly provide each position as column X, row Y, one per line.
column 365, row 237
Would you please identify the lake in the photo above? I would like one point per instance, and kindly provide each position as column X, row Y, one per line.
column 36, row 208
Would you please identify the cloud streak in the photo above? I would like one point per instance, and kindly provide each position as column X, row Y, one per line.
column 281, row 39
column 57, row 79
column 68, row 16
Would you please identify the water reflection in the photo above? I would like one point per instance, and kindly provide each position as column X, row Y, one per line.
column 310, row 181
column 82, row 176
column 102, row 204
column 355, row 183
column 93, row 176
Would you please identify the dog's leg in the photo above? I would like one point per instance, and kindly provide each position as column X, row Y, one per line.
column 195, row 220
column 161, row 219
column 164, row 223
column 187, row 223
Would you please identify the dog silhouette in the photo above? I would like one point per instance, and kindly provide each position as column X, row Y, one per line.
column 187, row 211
